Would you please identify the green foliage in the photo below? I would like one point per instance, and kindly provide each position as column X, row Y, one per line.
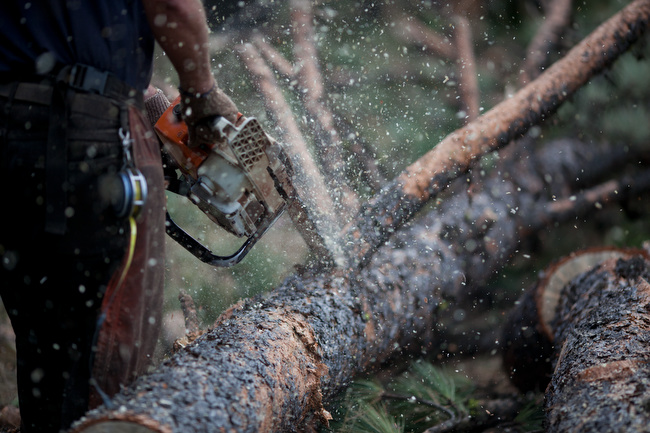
column 373, row 418
column 422, row 397
column 531, row 417
column 428, row 382
column 419, row 398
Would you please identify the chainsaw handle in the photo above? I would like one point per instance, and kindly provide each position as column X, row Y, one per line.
column 204, row 254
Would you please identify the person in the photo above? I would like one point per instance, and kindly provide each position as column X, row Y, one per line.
column 83, row 201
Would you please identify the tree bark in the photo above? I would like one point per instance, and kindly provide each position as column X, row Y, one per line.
column 270, row 362
column 602, row 377
column 582, row 333
column 529, row 344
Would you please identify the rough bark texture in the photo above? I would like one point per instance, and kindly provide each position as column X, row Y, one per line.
column 430, row 174
column 602, row 377
column 529, row 334
column 270, row 362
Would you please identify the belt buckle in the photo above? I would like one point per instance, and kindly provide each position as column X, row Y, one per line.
column 87, row 79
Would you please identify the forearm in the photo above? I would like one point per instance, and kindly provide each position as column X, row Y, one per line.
column 180, row 28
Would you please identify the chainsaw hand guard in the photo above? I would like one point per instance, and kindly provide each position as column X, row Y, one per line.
column 204, row 254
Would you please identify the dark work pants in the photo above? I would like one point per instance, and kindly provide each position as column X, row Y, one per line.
column 52, row 285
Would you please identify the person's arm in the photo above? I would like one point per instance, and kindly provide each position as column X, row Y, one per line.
column 181, row 29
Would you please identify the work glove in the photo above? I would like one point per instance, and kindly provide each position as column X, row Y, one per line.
column 199, row 110
column 155, row 105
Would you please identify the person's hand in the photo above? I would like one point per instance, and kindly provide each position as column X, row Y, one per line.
column 198, row 110
column 155, row 104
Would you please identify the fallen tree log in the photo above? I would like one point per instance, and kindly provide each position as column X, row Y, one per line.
column 270, row 361
column 602, row 377
column 530, row 348
column 588, row 326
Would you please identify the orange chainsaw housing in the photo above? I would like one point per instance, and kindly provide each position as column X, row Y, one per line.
column 173, row 132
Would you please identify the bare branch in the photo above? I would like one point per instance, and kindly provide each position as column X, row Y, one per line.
column 308, row 178
column 422, row 180
column 467, row 76
column 597, row 197
column 363, row 155
column 557, row 20
column 310, row 80
column 413, row 31
column 274, row 57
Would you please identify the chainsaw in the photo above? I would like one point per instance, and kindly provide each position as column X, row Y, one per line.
column 243, row 183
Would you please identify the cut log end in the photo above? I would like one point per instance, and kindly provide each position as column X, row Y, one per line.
column 529, row 332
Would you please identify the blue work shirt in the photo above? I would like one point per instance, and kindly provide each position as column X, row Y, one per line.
column 111, row 35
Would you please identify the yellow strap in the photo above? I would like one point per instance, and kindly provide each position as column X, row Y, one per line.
column 130, row 252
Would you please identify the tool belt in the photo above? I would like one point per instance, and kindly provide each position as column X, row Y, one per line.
column 70, row 85
column 78, row 77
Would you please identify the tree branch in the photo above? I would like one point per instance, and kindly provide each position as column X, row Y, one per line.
column 308, row 179
column 274, row 57
column 412, row 30
column 311, row 89
column 411, row 190
column 467, row 76
column 557, row 20
column 597, row 197
column 363, row 155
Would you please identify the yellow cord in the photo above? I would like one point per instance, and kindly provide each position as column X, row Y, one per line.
column 102, row 317
column 130, row 252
